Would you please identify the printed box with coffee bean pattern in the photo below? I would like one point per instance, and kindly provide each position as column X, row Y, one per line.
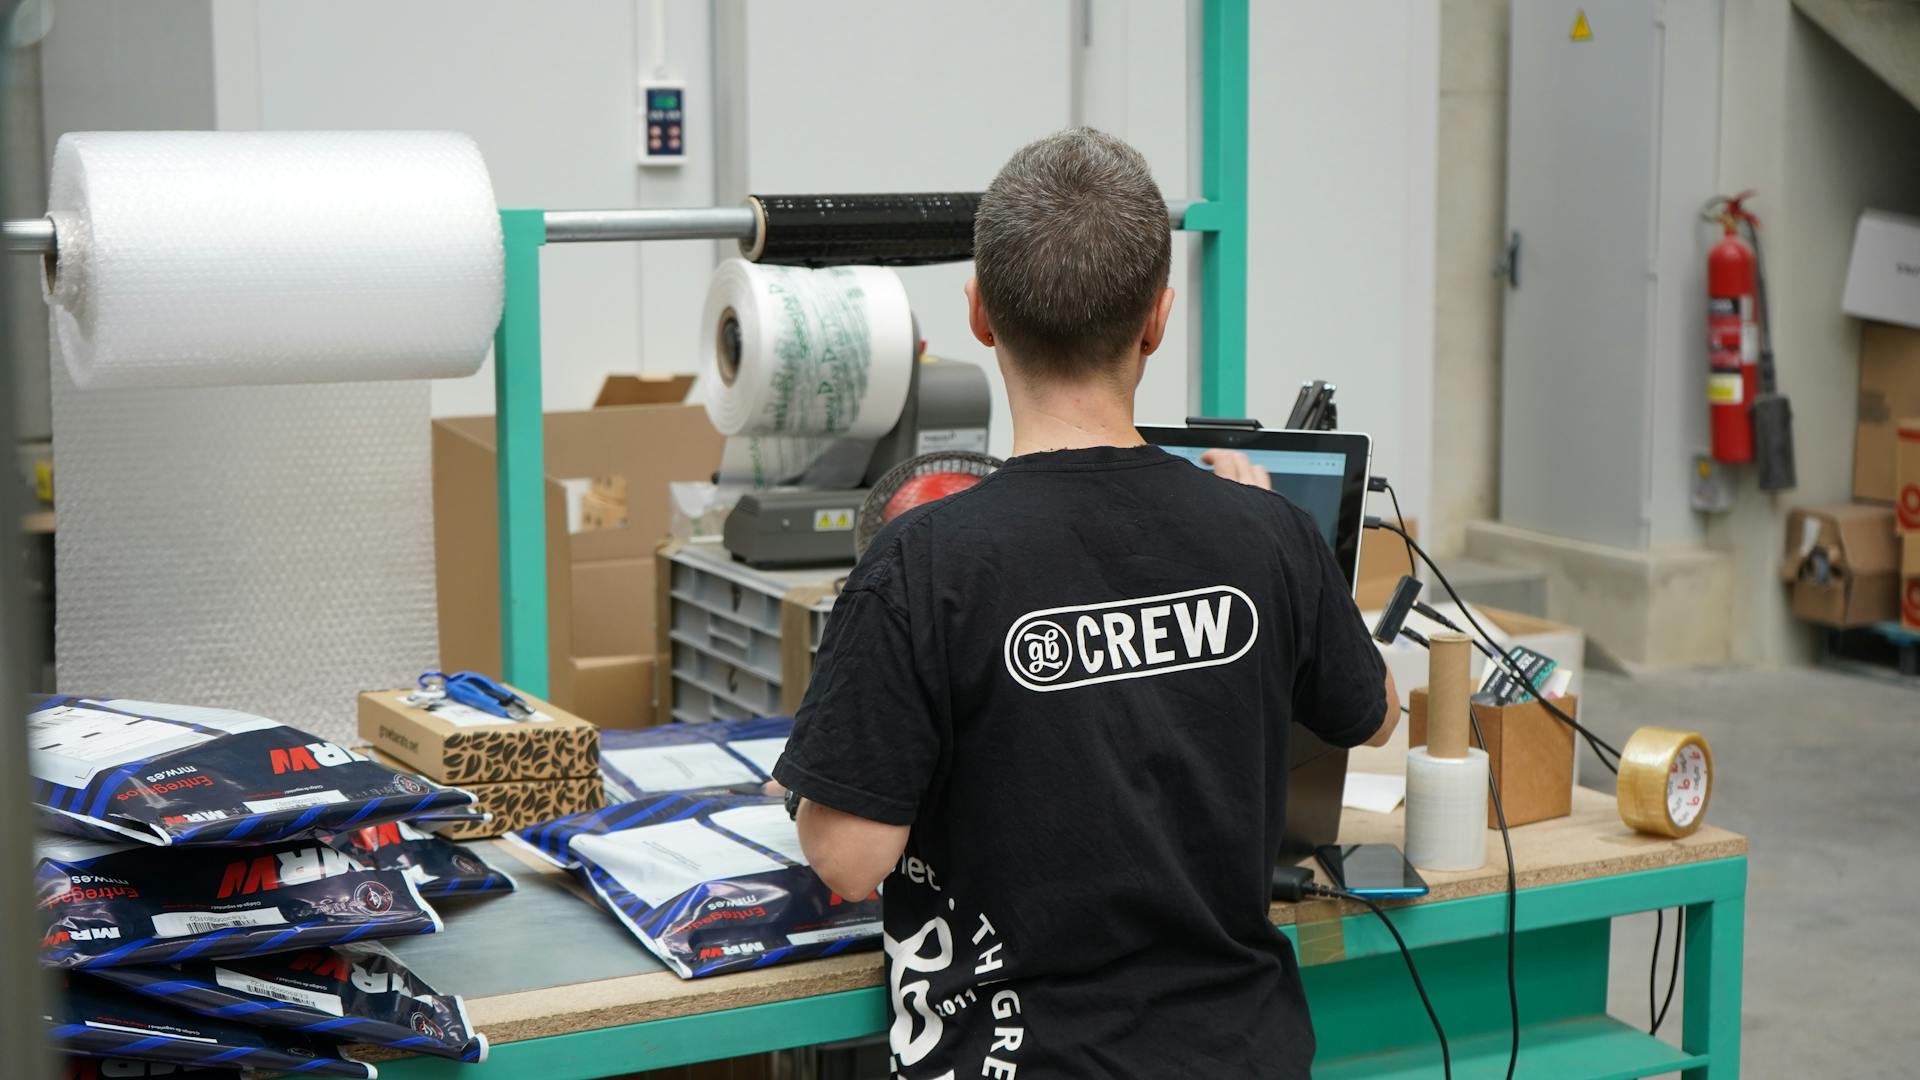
column 514, row 804
column 457, row 745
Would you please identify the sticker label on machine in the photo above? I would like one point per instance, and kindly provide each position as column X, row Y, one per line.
column 969, row 438
column 835, row 520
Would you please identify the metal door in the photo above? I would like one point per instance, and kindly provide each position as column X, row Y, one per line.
column 1582, row 131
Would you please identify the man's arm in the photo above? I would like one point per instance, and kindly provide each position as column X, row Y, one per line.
column 1388, row 723
column 851, row 854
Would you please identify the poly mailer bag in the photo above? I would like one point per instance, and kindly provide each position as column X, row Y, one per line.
column 355, row 993
column 718, row 755
column 98, row 1020
column 182, row 774
column 141, row 905
column 437, row 866
column 709, row 883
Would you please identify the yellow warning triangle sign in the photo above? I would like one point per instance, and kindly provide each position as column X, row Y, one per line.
column 1581, row 31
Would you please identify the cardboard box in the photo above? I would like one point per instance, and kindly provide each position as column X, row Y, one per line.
column 608, row 597
column 1910, row 581
column 1843, row 564
column 514, row 804
column 1882, row 284
column 1408, row 662
column 1529, row 751
column 1889, row 392
column 641, row 435
column 455, row 753
column 615, row 691
column 1906, row 477
column 1383, row 562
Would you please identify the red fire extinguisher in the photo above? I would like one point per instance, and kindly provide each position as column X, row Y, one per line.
column 1733, row 340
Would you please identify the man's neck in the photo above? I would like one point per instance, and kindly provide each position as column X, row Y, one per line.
column 1071, row 417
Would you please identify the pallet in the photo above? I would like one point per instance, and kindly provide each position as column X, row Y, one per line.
column 1884, row 650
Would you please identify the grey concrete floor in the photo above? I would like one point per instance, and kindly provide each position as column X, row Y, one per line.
column 1821, row 771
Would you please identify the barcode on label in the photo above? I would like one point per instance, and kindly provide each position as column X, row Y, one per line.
column 185, row 923
column 317, row 1000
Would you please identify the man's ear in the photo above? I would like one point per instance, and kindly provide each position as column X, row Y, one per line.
column 1156, row 329
column 977, row 314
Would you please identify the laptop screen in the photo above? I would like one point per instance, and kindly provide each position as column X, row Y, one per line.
column 1321, row 472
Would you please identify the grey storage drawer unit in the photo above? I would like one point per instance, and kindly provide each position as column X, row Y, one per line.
column 725, row 633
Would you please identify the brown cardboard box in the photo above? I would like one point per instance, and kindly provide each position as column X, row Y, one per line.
column 1529, row 752
column 1383, row 562
column 640, row 435
column 1906, row 477
column 1843, row 564
column 1910, row 581
column 563, row 747
column 514, row 804
column 615, row 691
column 1889, row 391
column 612, row 607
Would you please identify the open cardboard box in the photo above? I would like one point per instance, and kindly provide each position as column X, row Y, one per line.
column 1565, row 644
column 1842, row 564
column 600, row 602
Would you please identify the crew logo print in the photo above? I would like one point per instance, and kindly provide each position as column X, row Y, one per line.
column 1067, row 647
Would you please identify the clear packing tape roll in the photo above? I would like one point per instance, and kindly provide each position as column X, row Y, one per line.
column 1447, row 810
column 798, row 361
column 195, row 258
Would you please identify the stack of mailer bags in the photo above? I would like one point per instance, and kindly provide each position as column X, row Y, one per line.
column 211, row 886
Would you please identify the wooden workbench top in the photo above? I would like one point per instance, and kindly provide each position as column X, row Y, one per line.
column 1590, row 843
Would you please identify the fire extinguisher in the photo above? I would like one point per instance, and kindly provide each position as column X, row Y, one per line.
column 1733, row 340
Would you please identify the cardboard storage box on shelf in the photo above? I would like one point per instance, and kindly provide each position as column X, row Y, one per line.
column 1529, row 751
column 1843, row 564
column 513, row 804
column 476, row 747
column 1567, row 645
column 1383, row 562
column 638, row 438
column 1883, row 289
column 1906, row 477
column 1910, row 581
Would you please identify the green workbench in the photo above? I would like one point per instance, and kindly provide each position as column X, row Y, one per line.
column 564, row 993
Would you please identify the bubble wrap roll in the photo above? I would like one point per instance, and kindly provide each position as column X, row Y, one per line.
column 197, row 258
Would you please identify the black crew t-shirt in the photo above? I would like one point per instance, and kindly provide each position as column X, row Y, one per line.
column 1074, row 681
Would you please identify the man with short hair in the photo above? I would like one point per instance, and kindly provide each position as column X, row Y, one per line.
column 1051, row 712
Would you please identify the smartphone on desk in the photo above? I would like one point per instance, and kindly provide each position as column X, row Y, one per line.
column 1376, row 870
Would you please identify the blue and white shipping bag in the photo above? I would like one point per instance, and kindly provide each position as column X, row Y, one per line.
column 720, row 755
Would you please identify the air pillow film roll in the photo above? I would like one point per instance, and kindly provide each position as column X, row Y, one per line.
column 196, row 258
column 797, row 358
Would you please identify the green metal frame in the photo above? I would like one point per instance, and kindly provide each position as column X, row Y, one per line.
column 1367, row 1020
column 1221, row 219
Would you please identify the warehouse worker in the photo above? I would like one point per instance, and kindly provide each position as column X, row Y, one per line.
column 1051, row 712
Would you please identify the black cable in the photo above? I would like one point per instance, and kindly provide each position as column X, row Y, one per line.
column 1446, row 1055
column 1412, row 563
column 1653, row 973
column 1673, row 973
column 1513, row 899
column 1601, row 748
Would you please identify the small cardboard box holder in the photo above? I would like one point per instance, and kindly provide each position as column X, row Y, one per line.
column 1529, row 753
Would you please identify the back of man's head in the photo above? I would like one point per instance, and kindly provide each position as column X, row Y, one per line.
column 1071, row 249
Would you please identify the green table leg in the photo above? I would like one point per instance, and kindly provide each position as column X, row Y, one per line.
column 1716, row 932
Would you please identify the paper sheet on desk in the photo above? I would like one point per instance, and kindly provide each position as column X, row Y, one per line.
column 1378, row 792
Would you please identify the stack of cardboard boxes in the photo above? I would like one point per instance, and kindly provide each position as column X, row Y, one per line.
column 521, row 772
column 638, row 437
column 1857, row 564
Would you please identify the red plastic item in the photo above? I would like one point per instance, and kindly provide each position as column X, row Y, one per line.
column 924, row 489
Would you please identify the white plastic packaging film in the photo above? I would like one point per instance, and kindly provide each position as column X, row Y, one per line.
column 197, row 258
column 798, row 359
column 265, row 548
column 1447, row 810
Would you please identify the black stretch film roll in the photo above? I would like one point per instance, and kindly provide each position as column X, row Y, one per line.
column 864, row 230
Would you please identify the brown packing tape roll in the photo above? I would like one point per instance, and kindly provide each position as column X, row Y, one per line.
column 1647, row 764
column 796, row 631
column 1449, row 666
